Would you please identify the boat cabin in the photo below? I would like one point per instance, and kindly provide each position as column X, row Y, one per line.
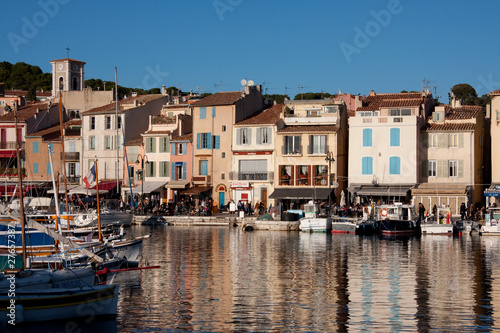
column 310, row 210
column 396, row 211
column 493, row 217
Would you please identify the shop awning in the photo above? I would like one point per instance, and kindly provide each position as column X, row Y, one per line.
column 8, row 153
column 197, row 190
column 148, row 187
column 492, row 191
column 106, row 185
column 380, row 191
column 440, row 189
column 177, row 184
column 80, row 189
column 301, row 193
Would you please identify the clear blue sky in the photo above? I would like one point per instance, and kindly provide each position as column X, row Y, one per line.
column 352, row 46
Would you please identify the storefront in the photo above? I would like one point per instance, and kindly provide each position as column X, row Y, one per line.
column 492, row 195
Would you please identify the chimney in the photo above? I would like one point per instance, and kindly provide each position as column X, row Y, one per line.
column 372, row 93
column 163, row 90
column 259, row 88
column 247, row 90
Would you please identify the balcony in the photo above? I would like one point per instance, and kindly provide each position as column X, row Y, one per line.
column 311, row 118
column 11, row 145
column 289, row 151
column 11, row 172
column 163, row 120
column 70, row 179
column 255, row 176
column 201, row 180
column 73, row 156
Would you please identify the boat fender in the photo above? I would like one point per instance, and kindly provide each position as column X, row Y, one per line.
column 383, row 212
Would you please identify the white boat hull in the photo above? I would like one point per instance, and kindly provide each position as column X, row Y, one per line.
column 436, row 229
column 44, row 279
column 315, row 224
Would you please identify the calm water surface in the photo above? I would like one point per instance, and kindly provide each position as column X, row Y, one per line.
column 222, row 279
column 227, row 280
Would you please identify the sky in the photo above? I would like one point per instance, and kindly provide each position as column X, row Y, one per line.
column 287, row 46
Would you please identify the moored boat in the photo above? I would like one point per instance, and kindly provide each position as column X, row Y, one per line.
column 491, row 224
column 311, row 222
column 396, row 219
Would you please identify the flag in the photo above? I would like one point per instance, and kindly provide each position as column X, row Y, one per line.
column 89, row 179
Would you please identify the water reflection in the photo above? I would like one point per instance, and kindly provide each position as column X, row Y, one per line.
column 224, row 279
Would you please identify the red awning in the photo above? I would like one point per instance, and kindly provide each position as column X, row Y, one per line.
column 105, row 185
column 7, row 153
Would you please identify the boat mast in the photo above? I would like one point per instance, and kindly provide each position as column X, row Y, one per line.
column 116, row 141
column 63, row 159
column 98, row 207
column 20, row 184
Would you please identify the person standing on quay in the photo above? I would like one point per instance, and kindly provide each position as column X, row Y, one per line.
column 421, row 212
column 463, row 210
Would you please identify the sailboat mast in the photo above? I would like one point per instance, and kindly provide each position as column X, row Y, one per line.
column 116, row 124
column 63, row 159
column 98, row 204
column 20, row 184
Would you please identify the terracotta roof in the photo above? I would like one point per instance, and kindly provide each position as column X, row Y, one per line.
column 135, row 142
column 269, row 116
column 185, row 137
column 376, row 102
column 130, row 100
column 449, row 127
column 220, row 98
column 20, row 93
column 463, row 112
column 309, row 129
column 26, row 112
column 176, row 106
column 495, row 92
column 69, row 59
column 157, row 132
column 56, row 128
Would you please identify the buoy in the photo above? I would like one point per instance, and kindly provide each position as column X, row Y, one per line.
column 383, row 212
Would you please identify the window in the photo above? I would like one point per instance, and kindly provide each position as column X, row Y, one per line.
column 92, row 143
column 364, row 113
column 51, row 146
column 453, row 141
column 223, row 155
column 119, row 142
column 165, row 145
column 223, row 128
column 205, row 140
column 453, row 168
column 107, row 142
column 119, row 122
column 321, row 175
column 150, row 169
column 92, row 123
column 223, row 176
column 264, row 135
column 292, row 145
column 108, row 122
column 394, row 165
column 49, row 169
column 35, row 147
column 180, row 148
column 367, row 165
column 330, row 109
column 318, row 144
column 432, row 168
column 203, row 167
column 313, row 113
column 213, row 111
column 367, row 137
column 433, row 140
column 286, row 175
column 252, row 169
column 400, row 112
column 216, row 141
column 150, row 145
column 395, row 134
column 203, row 113
column 72, row 169
column 303, row 175
column 2, row 102
column 164, row 169
column 243, row 136
column 35, row 168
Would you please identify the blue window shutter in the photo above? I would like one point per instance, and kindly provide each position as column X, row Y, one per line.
column 395, row 134
column 49, row 169
column 217, row 142
column 394, row 165
column 184, row 148
column 173, row 171
column 35, row 168
column 173, row 148
column 198, row 139
column 367, row 137
column 203, row 112
column 209, row 143
column 367, row 165
column 184, row 170
column 213, row 112
column 35, row 147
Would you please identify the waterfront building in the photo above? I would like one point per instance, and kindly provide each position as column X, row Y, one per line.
column 181, row 158
column 253, row 155
column 213, row 119
column 384, row 146
column 311, row 152
column 493, row 192
column 452, row 159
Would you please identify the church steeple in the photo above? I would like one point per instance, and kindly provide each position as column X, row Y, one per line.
column 67, row 75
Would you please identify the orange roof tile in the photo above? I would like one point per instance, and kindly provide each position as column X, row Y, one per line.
column 185, row 137
column 111, row 106
column 220, row 98
column 269, row 116
column 26, row 112
column 376, row 102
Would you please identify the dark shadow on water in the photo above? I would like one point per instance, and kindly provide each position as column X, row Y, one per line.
column 66, row 326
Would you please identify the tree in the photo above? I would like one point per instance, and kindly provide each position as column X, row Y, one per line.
column 464, row 93
column 279, row 99
column 311, row 95
column 31, row 95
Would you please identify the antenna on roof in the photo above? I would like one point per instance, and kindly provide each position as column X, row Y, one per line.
column 67, row 52
column 301, row 90
column 220, row 84
column 286, row 88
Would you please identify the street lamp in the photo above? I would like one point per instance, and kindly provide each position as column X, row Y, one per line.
column 329, row 158
column 142, row 159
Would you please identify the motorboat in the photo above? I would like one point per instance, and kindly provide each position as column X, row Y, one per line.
column 311, row 222
column 441, row 224
column 397, row 219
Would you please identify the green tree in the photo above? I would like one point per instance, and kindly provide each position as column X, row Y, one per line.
column 31, row 95
column 311, row 95
column 279, row 99
column 465, row 93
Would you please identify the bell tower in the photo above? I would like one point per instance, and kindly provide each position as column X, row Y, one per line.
column 67, row 75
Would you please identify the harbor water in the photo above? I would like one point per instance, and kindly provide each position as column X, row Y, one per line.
column 223, row 279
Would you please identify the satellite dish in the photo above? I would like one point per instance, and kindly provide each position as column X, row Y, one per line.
column 243, row 82
column 250, row 83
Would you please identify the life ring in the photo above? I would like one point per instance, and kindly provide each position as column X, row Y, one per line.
column 383, row 212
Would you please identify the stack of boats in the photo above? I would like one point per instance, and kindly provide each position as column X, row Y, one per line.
column 62, row 275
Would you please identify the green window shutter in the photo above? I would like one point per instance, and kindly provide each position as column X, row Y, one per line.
column 153, row 145
column 441, row 168
column 461, row 140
